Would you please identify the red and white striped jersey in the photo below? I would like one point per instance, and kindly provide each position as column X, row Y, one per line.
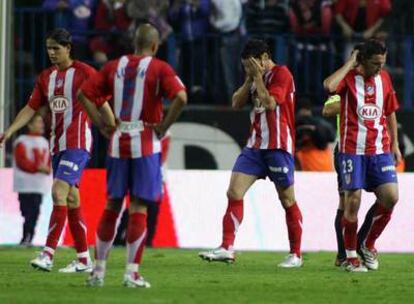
column 274, row 129
column 135, row 86
column 365, row 104
column 70, row 126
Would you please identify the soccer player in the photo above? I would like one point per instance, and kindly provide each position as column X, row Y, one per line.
column 269, row 152
column 70, row 143
column 368, row 147
column 331, row 108
column 135, row 84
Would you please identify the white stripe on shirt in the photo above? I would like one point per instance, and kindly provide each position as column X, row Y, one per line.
column 51, row 93
column 379, row 100
column 362, row 129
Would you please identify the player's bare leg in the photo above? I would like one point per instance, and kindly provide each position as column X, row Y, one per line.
column 239, row 184
column 294, row 225
column 387, row 196
column 136, row 236
column 350, row 226
column 60, row 191
column 105, row 236
column 78, row 230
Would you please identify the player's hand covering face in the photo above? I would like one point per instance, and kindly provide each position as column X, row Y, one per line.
column 258, row 68
column 248, row 68
column 252, row 67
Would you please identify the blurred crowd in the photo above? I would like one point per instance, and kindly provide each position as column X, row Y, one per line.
column 202, row 37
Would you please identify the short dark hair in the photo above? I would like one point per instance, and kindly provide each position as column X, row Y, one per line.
column 61, row 36
column 255, row 48
column 370, row 48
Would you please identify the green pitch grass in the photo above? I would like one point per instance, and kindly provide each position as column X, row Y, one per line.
column 179, row 276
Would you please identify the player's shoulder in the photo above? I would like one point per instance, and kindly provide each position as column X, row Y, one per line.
column 385, row 75
column 161, row 65
column 83, row 67
column 282, row 70
column 46, row 72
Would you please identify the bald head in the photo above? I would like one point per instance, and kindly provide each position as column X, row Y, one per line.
column 147, row 38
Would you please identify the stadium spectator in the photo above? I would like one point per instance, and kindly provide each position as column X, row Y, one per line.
column 115, row 28
column 309, row 17
column 310, row 21
column 225, row 18
column 189, row 19
column 150, row 11
column 313, row 138
column 134, row 162
column 31, row 174
column 402, row 17
column 70, row 143
column 76, row 16
column 269, row 151
column 360, row 19
column 368, row 149
column 267, row 17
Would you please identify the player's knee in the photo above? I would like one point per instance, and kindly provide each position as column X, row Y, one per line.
column 234, row 194
column 59, row 198
column 391, row 200
column 73, row 202
column 114, row 205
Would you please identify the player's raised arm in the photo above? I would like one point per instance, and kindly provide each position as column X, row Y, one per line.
column 331, row 82
column 332, row 106
column 241, row 96
column 267, row 101
column 19, row 122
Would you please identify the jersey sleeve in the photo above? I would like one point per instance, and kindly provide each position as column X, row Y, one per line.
column 24, row 163
column 340, row 89
column 391, row 102
column 171, row 84
column 280, row 84
column 96, row 87
column 38, row 97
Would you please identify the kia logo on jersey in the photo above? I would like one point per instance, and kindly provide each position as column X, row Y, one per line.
column 369, row 112
column 59, row 104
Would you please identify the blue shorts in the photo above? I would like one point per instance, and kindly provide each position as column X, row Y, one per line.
column 68, row 165
column 140, row 177
column 277, row 164
column 366, row 171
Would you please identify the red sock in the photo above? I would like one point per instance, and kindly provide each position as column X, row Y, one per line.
column 381, row 218
column 56, row 225
column 136, row 235
column 231, row 222
column 105, row 234
column 294, row 226
column 78, row 229
column 350, row 237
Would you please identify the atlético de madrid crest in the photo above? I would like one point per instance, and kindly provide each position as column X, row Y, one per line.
column 370, row 90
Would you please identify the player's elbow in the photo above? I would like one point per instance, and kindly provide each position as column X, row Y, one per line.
column 326, row 112
column 81, row 97
column 329, row 86
column 182, row 98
